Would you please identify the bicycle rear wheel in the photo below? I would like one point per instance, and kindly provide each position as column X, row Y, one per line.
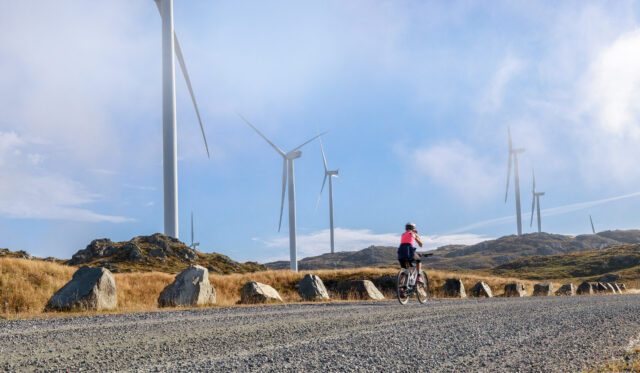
column 422, row 289
column 401, row 287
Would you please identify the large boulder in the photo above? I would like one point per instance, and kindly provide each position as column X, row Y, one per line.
column 361, row 289
column 599, row 287
column 543, row 289
column 311, row 287
column 609, row 277
column 585, row 288
column 454, row 288
column 616, row 287
column 89, row 289
column 190, row 288
column 515, row 290
column 567, row 289
column 481, row 289
column 256, row 292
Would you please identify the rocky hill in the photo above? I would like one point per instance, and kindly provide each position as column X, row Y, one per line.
column 483, row 255
column 154, row 253
column 589, row 265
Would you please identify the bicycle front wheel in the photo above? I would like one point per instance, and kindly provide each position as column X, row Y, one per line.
column 401, row 287
column 422, row 289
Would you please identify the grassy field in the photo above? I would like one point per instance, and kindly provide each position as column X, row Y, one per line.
column 26, row 285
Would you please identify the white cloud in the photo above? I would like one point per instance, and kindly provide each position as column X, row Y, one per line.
column 27, row 191
column 509, row 67
column 458, row 168
column 317, row 243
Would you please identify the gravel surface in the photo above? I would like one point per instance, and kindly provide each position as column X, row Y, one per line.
column 543, row 334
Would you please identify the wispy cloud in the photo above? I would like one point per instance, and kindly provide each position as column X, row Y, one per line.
column 317, row 243
column 33, row 193
column 548, row 212
column 493, row 98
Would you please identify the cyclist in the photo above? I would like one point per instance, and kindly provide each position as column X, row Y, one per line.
column 407, row 249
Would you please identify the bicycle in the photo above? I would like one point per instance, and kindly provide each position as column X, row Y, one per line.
column 406, row 282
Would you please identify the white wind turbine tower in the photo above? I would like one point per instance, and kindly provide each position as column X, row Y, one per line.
column 536, row 202
column 513, row 156
column 194, row 245
column 171, row 47
column 287, row 172
column 330, row 175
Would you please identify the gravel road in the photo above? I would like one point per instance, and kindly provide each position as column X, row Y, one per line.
column 543, row 334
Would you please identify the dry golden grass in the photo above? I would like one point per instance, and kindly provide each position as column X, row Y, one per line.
column 26, row 285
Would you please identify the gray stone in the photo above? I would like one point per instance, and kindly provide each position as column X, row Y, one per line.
column 454, row 288
column 609, row 277
column 515, row 290
column 481, row 289
column 543, row 289
column 190, row 288
column 616, row 287
column 585, row 288
column 256, row 292
column 311, row 287
column 89, row 289
column 363, row 289
column 134, row 252
column 599, row 287
column 567, row 289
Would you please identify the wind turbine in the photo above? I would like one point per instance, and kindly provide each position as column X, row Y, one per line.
column 593, row 229
column 287, row 173
column 535, row 201
column 330, row 175
column 194, row 245
column 513, row 155
column 171, row 47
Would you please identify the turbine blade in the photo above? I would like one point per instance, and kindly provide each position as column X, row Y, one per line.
column 261, row 135
column 506, row 193
column 284, row 183
column 183, row 67
column 321, row 189
column 324, row 159
column 533, row 205
column 311, row 139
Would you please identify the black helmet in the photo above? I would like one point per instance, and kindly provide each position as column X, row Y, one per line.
column 410, row 226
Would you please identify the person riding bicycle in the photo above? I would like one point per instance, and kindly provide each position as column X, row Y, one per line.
column 407, row 250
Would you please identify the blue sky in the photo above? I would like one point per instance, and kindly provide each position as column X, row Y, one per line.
column 417, row 97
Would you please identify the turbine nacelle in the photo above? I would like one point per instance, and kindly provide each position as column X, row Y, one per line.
column 293, row 155
column 335, row 173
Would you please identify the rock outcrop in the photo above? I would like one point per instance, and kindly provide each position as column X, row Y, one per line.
column 311, row 287
column 543, row 289
column 515, row 290
column 361, row 289
column 481, row 289
column 567, row 289
column 585, row 288
column 89, row 289
column 454, row 288
column 256, row 292
column 190, row 288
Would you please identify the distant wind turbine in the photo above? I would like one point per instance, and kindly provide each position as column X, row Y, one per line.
column 593, row 229
column 287, row 168
column 535, row 201
column 513, row 156
column 194, row 245
column 330, row 175
column 171, row 47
